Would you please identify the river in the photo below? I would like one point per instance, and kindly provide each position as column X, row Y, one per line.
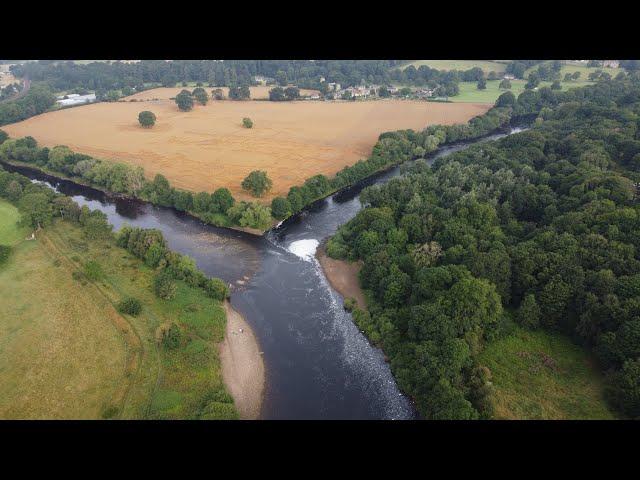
column 318, row 364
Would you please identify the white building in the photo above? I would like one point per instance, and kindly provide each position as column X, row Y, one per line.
column 75, row 99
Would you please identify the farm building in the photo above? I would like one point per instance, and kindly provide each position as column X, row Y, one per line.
column 75, row 99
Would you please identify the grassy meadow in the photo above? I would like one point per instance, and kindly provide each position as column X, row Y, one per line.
column 66, row 352
column 486, row 65
column 540, row 375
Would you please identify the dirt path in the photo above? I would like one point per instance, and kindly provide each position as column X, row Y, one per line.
column 342, row 276
column 242, row 365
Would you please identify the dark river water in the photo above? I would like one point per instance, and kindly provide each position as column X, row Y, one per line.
column 318, row 364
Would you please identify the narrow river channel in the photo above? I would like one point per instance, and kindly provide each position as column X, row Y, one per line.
column 318, row 364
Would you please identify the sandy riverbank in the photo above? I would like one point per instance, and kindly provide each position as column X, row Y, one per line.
column 342, row 276
column 242, row 365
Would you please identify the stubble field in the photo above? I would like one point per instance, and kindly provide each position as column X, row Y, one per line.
column 207, row 147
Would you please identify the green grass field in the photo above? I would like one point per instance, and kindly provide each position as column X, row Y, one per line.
column 10, row 232
column 540, row 375
column 66, row 352
column 486, row 65
column 584, row 72
column 469, row 90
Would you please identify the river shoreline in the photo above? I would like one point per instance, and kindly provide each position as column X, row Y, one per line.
column 242, row 365
column 57, row 177
column 342, row 276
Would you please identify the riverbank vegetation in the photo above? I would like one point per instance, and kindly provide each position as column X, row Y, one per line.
column 63, row 321
column 214, row 208
column 542, row 224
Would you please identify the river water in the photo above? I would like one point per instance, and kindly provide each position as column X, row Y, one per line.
column 318, row 364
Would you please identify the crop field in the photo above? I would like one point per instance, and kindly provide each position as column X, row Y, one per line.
column 486, row 65
column 542, row 375
column 208, row 147
column 165, row 93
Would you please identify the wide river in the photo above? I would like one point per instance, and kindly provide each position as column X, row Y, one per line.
column 318, row 364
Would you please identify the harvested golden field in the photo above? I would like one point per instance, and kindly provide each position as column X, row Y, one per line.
column 208, row 148
column 164, row 93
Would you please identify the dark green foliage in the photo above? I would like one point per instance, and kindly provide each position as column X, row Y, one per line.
column 37, row 100
column 200, row 95
column 5, row 251
column 172, row 337
column 279, row 94
column 280, row 208
column 529, row 312
column 544, row 222
column 257, row 183
column 130, row 306
column 147, row 119
column 164, row 286
column 184, row 100
column 239, row 93
column 247, row 122
column 217, row 289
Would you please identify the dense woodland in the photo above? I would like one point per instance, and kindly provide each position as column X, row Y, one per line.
column 66, row 75
column 541, row 228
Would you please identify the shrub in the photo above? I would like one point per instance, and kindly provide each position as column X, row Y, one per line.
column 164, row 286
column 130, row 306
column 216, row 288
column 171, row 337
column 350, row 303
column 5, row 251
column 147, row 119
column 109, row 412
column 280, row 208
column 247, row 122
column 257, row 182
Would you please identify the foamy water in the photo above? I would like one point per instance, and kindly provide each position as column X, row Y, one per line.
column 305, row 249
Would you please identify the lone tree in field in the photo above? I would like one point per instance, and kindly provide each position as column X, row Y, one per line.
column 247, row 122
column 482, row 84
column 147, row 119
column 505, row 84
column 184, row 100
column 257, row 183
column 200, row 95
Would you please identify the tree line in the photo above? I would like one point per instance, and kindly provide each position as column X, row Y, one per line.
column 217, row 208
column 539, row 228
column 36, row 101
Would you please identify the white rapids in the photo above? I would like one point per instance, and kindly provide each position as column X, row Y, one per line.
column 305, row 249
